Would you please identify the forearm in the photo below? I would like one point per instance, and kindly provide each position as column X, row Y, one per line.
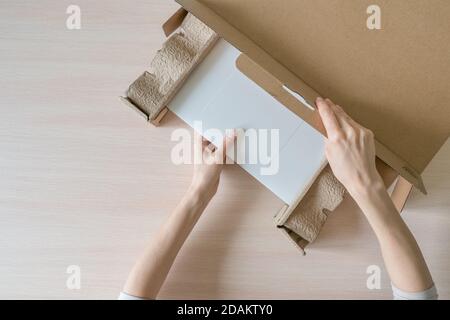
column 402, row 256
column 350, row 150
column 151, row 269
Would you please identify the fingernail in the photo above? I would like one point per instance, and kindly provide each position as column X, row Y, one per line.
column 319, row 99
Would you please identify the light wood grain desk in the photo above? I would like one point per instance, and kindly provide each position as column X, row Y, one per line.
column 84, row 181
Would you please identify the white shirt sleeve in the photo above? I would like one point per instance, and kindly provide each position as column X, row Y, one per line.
column 430, row 294
column 126, row 296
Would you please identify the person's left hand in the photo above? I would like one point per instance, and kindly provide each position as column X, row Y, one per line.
column 207, row 172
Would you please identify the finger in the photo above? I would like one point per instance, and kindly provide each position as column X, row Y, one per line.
column 198, row 138
column 227, row 144
column 210, row 147
column 328, row 117
column 349, row 119
column 198, row 148
column 340, row 111
column 343, row 119
column 205, row 143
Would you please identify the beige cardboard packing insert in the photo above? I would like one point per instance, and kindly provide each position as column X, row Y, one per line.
column 389, row 80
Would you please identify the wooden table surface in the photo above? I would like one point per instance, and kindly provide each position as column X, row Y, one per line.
column 85, row 181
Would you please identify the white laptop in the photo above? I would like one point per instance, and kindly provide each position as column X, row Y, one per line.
column 220, row 96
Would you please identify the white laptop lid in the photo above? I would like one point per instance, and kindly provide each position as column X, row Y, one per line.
column 220, row 96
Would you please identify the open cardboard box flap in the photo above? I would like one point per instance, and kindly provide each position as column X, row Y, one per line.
column 394, row 81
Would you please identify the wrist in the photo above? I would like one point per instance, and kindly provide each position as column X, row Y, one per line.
column 199, row 194
column 365, row 191
column 375, row 202
column 193, row 202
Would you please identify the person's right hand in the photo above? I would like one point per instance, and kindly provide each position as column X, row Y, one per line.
column 350, row 149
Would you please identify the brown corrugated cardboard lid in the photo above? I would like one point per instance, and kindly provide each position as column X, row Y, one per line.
column 395, row 81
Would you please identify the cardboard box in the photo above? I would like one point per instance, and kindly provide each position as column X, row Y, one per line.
column 393, row 81
column 286, row 44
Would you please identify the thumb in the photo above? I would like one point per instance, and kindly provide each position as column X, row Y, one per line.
column 228, row 142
